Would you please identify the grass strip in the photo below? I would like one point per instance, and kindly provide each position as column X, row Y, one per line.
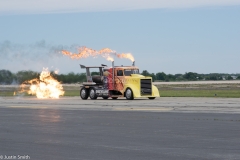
column 201, row 93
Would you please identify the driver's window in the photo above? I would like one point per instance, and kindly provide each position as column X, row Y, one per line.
column 119, row 72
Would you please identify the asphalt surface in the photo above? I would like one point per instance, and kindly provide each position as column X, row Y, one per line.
column 165, row 128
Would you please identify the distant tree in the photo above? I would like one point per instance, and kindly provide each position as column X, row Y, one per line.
column 146, row 73
column 61, row 78
column 179, row 77
column 219, row 76
column 170, row 77
column 229, row 77
column 161, row 76
column 238, row 77
column 153, row 77
column 22, row 76
column 191, row 76
column 71, row 77
column 200, row 77
column 6, row 77
column 95, row 73
column 82, row 77
column 215, row 76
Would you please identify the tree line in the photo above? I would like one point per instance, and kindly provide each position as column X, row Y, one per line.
column 7, row 77
column 190, row 76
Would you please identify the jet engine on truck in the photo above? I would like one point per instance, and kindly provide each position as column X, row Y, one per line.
column 117, row 81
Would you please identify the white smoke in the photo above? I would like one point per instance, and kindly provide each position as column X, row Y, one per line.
column 11, row 51
column 17, row 57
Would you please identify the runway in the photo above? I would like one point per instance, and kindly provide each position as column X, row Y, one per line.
column 165, row 128
column 162, row 104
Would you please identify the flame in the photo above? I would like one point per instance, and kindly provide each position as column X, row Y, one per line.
column 126, row 55
column 107, row 53
column 110, row 59
column 44, row 87
column 84, row 52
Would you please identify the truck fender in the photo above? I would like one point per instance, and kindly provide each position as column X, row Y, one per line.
column 155, row 91
column 134, row 89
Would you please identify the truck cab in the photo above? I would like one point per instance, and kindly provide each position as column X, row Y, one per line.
column 117, row 81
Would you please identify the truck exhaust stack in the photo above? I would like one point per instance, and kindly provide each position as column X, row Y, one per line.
column 133, row 63
column 113, row 80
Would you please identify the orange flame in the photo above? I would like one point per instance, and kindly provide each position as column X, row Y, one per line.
column 45, row 87
column 126, row 55
column 84, row 52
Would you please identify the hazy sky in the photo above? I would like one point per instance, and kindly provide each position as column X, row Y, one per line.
column 163, row 35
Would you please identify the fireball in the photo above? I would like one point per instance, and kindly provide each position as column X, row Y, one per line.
column 45, row 87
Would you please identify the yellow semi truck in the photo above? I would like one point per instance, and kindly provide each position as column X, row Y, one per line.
column 117, row 81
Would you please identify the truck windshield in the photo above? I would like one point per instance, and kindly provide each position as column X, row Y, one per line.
column 128, row 72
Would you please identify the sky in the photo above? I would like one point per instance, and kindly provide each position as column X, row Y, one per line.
column 163, row 36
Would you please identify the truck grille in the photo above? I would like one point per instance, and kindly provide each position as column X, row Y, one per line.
column 146, row 87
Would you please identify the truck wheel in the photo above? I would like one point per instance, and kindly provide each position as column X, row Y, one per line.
column 129, row 94
column 92, row 94
column 151, row 97
column 105, row 97
column 84, row 93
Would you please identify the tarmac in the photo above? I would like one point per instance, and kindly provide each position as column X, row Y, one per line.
column 164, row 128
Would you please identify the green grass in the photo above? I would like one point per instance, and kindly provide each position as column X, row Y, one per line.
column 72, row 93
column 200, row 93
column 6, row 93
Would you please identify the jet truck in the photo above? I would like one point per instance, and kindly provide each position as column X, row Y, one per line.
column 117, row 81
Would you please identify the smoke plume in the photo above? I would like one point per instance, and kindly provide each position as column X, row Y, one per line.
column 11, row 51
